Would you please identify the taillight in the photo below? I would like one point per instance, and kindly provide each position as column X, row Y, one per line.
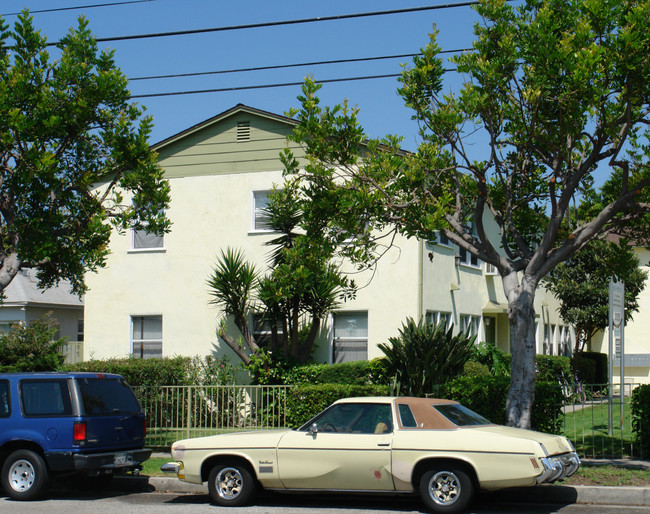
column 79, row 432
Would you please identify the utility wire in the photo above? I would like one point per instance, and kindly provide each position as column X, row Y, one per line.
column 267, row 86
column 77, row 7
column 284, row 22
column 295, row 65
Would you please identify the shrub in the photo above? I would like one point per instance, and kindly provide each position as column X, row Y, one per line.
column 591, row 367
column 175, row 371
column 487, row 396
column 550, row 368
column 356, row 372
column 31, row 347
column 425, row 355
column 305, row 401
column 475, row 369
column 641, row 418
column 497, row 361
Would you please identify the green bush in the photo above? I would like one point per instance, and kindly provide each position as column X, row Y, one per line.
column 487, row 396
column 641, row 418
column 497, row 361
column 475, row 369
column 550, row 368
column 356, row 372
column 305, row 401
column 423, row 356
column 167, row 371
column 31, row 347
column 591, row 367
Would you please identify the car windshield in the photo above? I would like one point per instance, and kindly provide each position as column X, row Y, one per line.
column 107, row 396
column 461, row 416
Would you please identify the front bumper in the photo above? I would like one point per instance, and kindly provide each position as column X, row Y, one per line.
column 68, row 461
column 558, row 467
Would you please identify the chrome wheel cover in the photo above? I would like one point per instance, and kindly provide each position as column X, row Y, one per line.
column 21, row 475
column 444, row 488
column 229, row 483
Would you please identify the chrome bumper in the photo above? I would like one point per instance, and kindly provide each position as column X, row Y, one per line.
column 558, row 467
column 170, row 467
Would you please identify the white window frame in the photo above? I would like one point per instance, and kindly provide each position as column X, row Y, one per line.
column 262, row 331
column 470, row 321
column 435, row 317
column 137, row 349
column 336, row 339
column 140, row 249
column 491, row 269
column 256, row 213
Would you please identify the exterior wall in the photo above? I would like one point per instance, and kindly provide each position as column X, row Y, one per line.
column 637, row 344
column 212, row 178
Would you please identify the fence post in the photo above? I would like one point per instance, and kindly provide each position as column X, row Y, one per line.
column 189, row 411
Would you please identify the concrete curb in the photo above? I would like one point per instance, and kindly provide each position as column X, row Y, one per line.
column 550, row 494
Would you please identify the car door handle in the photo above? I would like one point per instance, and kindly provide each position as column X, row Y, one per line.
column 383, row 444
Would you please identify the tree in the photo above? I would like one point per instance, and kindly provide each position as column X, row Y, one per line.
column 32, row 347
column 581, row 284
column 300, row 289
column 67, row 127
column 553, row 91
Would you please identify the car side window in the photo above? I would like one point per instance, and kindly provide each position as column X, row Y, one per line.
column 4, row 399
column 45, row 398
column 356, row 418
column 406, row 416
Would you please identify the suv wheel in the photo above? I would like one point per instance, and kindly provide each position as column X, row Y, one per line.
column 24, row 475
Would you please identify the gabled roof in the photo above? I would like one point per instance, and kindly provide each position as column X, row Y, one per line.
column 24, row 290
column 220, row 117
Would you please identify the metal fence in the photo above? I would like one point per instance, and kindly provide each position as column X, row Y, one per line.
column 180, row 412
column 587, row 413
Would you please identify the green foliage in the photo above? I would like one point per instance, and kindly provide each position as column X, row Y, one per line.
column 305, row 401
column 487, row 396
column 32, row 347
column 475, row 369
column 497, row 361
column 591, row 367
column 551, row 368
column 581, row 284
column 423, row 356
column 641, row 417
column 350, row 373
column 169, row 371
column 67, row 126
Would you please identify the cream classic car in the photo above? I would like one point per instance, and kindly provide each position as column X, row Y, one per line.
column 436, row 448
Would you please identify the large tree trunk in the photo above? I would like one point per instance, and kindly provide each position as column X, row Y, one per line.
column 521, row 314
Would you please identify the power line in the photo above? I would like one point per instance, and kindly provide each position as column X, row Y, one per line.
column 77, row 7
column 284, row 22
column 267, row 86
column 294, row 65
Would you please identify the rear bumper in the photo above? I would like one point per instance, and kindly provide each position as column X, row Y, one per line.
column 68, row 461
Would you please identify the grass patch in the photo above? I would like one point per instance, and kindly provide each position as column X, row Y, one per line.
column 588, row 430
column 151, row 467
column 610, row 476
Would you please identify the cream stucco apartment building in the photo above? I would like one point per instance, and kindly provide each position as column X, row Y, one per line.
column 152, row 298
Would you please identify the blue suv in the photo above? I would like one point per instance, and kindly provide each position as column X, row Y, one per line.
column 88, row 426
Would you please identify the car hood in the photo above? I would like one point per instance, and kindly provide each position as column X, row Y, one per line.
column 554, row 444
column 252, row 439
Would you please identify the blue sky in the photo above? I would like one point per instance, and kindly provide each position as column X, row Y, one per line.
column 382, row 110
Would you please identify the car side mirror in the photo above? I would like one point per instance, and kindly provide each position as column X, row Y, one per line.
column 313, row 430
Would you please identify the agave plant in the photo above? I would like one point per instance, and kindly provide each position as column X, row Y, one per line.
column 424, row 356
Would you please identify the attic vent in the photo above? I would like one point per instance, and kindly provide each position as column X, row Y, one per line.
column 243, row 131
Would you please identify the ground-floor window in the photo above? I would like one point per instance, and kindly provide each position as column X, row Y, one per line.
column 439, row 318
column 146, row 336
column 350, row 336
column 469, row 324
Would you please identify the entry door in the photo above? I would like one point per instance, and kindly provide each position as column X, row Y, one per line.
column 490, row 324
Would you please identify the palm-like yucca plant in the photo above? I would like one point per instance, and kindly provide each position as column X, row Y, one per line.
column 424, row 356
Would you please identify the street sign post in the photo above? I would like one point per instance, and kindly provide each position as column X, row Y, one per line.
column 616, row 344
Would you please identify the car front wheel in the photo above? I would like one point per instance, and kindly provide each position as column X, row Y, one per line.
column 446, row 490
column 24, row 475
column 231, row 485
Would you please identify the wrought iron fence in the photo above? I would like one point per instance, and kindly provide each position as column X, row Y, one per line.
column 180, row 412
column 586, row 423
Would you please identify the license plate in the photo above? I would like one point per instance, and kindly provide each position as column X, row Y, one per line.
column 120, row 459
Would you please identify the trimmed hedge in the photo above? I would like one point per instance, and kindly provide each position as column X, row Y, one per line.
column 305, row 401
column 641, row 418
column 551, row 367
column 487, row 396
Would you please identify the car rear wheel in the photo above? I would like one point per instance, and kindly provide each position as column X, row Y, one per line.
column 231, row 485
column 24, row 475
column 446, row 490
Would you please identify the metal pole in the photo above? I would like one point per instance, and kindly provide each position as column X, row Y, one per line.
column 610, row 410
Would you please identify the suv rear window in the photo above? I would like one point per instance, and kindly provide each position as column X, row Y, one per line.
column 102, row 397
column 4, row 399
column 45, row 397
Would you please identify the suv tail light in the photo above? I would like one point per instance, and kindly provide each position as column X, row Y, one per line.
column 79, row 432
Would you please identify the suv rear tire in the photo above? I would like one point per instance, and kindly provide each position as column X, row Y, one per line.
column 24, row 475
